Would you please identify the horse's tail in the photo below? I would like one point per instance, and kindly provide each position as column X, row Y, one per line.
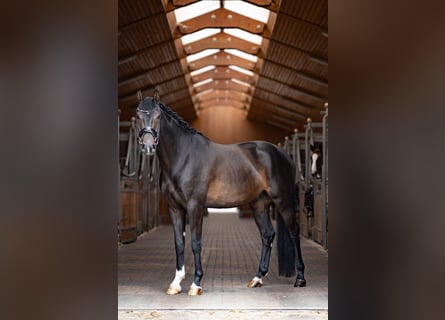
column 286, row 249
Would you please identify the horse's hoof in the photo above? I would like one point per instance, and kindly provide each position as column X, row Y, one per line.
column 195, row 290
column 255, row 283
column 173, row 291
column 300, row 283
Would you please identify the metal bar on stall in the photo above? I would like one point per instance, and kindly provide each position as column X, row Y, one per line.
column 130, row 159
column 286, row 144
column 136, row 160
column 142, row 167
column 118, row 179
column 317, row 124
column 324, row 177
column 296, row 158
column 308, row 136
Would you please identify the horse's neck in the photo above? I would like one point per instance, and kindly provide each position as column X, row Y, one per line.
column 173, row 144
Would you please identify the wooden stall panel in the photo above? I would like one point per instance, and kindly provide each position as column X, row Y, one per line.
column 128, row 212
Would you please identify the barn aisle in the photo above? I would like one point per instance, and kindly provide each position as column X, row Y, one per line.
column 230, row 256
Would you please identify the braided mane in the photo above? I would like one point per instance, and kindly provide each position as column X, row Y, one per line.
column 182, row 123
column 149, row 103
column 171, row 114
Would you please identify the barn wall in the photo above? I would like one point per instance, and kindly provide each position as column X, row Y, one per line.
column 226, row 124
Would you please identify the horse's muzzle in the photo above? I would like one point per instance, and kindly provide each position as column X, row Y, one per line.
column 149, row 138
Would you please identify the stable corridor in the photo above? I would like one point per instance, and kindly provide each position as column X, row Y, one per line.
column 230, row 257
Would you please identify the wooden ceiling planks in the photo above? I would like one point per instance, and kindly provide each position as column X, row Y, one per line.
column 294, row 73
column 220, row 78
column 290, row 76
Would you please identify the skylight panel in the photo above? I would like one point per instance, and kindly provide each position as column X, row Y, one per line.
column 254, row 38
column 242, row 54
column 201, row 54
column 202, row 70
column 195, row 9
column 240, row 82
column 200, row 94
column 247, row 9
column 242, row 70
column 203, row 82
column 198, row 35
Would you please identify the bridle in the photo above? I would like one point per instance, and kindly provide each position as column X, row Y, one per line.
column 148, row 130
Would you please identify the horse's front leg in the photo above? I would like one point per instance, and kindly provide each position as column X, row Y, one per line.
column 195, row 219
column 178, row 221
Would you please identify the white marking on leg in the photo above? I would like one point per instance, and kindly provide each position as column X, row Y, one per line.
column 195, row 290
column 194, row 286
column 179, row 276
column 255, row 282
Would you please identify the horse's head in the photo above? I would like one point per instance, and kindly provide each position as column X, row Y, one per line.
column 148, row 121
column 317, row 159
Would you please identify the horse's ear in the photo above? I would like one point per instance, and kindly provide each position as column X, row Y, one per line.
column 156, row 96
column 139, row 95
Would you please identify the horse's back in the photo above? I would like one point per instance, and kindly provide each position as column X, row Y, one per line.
column 271, row 156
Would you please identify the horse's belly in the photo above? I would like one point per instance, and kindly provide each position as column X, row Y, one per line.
column 225, row 194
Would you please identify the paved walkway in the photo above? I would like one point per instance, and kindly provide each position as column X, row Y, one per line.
column 230, row 257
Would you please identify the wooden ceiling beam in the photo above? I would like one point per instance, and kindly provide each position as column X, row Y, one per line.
column 180, row 3
column 221, row 18
column 222, row 58
column 214, row 99
column 241, row 96
column 224, row 84
column 261, row 3
column 272, row 5
column 215, row 102
column 223, row 72
column 221, row 41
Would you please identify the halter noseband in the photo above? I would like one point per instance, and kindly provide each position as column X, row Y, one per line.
column 148, row 130
column 151, row 131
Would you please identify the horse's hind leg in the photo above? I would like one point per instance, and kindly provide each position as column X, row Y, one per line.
column 287, row 220
column 178, row 221
column 260, row 210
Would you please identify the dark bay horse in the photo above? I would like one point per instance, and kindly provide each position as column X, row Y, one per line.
column 197, row 173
